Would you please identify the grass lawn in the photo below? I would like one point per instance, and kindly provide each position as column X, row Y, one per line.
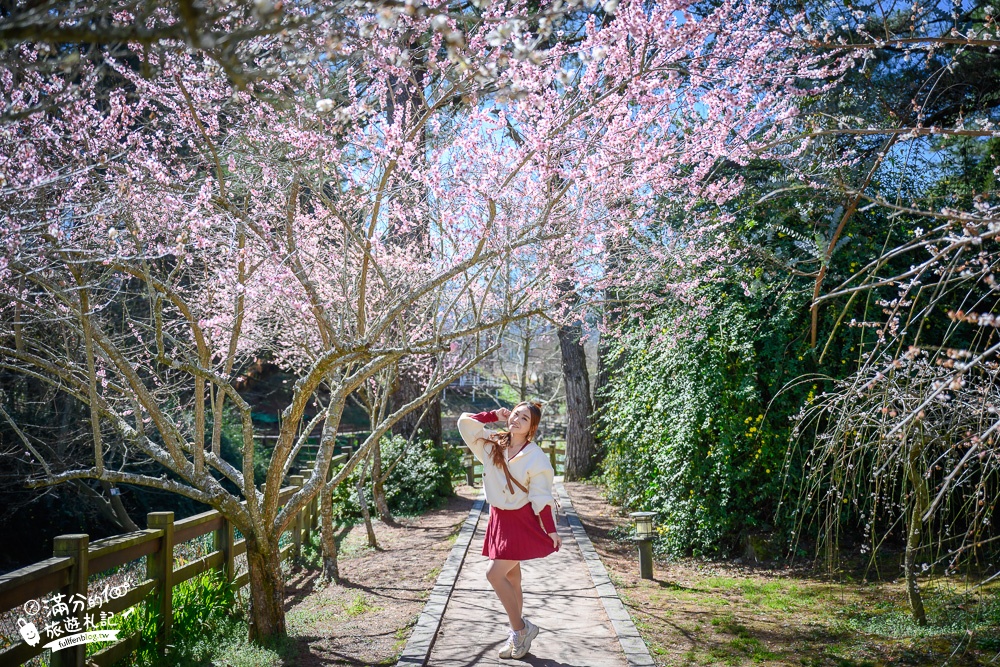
column 723, row 613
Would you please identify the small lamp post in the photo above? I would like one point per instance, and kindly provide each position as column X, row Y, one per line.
column 644, row 534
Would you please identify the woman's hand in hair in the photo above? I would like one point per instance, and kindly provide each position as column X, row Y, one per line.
column 502, row 414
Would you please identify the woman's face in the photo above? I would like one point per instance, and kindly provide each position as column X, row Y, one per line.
column 519, row 421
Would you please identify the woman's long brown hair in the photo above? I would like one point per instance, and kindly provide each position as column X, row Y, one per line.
column 501, row 441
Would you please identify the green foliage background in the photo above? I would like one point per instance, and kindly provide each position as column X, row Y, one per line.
column 687, row 431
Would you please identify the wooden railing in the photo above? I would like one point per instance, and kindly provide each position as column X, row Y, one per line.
column 74, row 560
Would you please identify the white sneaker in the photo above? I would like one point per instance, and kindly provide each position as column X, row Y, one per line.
column 522, row 640
column 508, row 648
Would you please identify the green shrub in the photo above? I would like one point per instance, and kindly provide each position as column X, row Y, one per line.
column 420, row 481
column 210, row 627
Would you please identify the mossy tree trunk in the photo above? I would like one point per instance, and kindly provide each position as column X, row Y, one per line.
column 328, row 541
column 267, row 590
column 581, row 449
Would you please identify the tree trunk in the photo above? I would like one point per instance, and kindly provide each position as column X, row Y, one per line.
column 328, row 541
column 580, row 445
column 912, row 545
column 432, row 422
column 121, row 514
column 113, row 510
column 267, row 591
column 525, row 359
column 378, row 487
column 920, row 500
column 365, row 514
column 408, row 387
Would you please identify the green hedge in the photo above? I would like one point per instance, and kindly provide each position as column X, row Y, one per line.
column 690, row 429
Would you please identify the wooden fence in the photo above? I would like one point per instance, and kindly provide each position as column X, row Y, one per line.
column 74, row 560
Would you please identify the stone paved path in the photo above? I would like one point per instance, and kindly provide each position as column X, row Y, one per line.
column 559, row 597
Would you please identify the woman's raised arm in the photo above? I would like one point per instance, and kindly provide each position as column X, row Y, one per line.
column 473, row 430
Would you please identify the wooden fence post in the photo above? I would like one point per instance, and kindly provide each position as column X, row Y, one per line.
column 314, row 512
column 224, row 540
column 470, row 472
column 297, row 481
column 307, row 520
column 160, row 568
column 73, row 546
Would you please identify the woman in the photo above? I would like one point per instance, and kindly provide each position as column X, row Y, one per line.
column 517, row 477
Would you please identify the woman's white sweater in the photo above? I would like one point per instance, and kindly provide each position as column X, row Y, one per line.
column 530, row 467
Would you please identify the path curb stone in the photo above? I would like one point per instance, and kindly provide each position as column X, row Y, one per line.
column 418, row 646
column 636, row 652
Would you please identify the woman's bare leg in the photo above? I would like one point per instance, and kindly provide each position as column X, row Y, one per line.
column 496, row 574
column 514, row 577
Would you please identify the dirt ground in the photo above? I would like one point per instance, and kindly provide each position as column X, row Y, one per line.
column 368, row 618
column 718, row 613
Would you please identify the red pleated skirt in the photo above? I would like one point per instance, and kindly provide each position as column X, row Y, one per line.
column 516, row 535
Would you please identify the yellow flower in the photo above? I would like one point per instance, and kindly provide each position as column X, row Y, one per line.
column 767, row 470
